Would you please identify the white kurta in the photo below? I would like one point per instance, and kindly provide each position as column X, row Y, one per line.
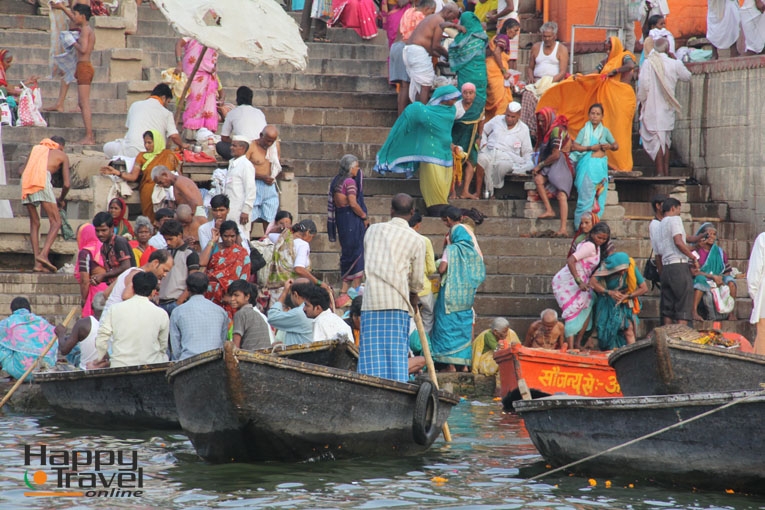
column 504, row 150
column 754, row 279
column 723, row 23
column 240, row 190
column 753, row 25
column 657, row 116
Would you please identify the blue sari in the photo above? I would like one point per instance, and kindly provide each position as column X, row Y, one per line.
column 451, row 336
column 345, row 225
column 591, row 178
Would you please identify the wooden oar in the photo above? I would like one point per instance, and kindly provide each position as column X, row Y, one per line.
column 34, row 365
column 430, row 365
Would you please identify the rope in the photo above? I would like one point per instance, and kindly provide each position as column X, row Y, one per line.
column 652, row 434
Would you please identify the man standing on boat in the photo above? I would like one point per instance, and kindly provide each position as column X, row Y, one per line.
column 395, row 264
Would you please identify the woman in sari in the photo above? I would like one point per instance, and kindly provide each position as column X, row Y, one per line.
column 358, row 15
column 140, row 245
column 467, row 56
column 612, row 88
column 618, row 287
column 554, row 174
column 498, row 64
column 225, row 261
column 89, row 262
column 347, row 220
column 392, row 12
column 586, row 222
column 714, row 265
column 119, row 211
column 570, row 284
column 155, row 155
column 421, row 139
column 462, row 271
column 465, row 135
column 589, row 154
column 201, row 102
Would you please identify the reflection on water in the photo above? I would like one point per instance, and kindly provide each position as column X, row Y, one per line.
column 483, row 468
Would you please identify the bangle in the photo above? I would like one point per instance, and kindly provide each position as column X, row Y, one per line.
column 318, row 283
column 578, row 280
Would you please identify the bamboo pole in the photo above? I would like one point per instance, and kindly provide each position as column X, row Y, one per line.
column 430, row 365
column 182, row 99
column 34, row 365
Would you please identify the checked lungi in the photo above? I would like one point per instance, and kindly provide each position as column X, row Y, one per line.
column 384, row 344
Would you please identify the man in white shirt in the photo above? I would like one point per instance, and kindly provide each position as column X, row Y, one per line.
column 144, row 116
column 326, row 324
column 240, row 186
column 244, row 120
column 505, row 147
column 656, row 92
column 139, row 329
column 676, row 279
column 219, row 208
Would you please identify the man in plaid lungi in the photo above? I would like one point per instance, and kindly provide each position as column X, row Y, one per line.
column 395, row 263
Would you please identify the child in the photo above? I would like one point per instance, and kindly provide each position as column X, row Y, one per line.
column 251, row 330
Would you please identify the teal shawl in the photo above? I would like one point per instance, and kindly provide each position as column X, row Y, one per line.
column 590, row 136
column 465, row 271
column 421, row 134
column 467, row 58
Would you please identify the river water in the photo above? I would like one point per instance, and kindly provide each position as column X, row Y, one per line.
column 483, row 468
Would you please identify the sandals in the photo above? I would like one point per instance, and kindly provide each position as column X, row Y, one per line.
column 342, row 301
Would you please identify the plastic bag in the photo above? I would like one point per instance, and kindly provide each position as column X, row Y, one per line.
column 724, row 302
column 29, row 108
column 6, row 117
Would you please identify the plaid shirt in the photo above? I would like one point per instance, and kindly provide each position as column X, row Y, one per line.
column 394, row 259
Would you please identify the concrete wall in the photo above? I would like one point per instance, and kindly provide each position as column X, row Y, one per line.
column 720, row 133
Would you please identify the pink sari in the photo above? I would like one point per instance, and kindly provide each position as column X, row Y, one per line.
column 87, row 240
column 576, row 304
column 201, row 108
column 391, row 21
column 359, row 15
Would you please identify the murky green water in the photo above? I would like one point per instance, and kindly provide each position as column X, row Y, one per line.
column 483, row 468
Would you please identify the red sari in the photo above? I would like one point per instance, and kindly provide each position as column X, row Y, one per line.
column 359, row 15
column 225, row 266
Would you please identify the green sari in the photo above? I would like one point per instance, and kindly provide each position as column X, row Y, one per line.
column 467, row 57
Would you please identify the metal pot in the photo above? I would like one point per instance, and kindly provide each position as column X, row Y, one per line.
column 196, row 148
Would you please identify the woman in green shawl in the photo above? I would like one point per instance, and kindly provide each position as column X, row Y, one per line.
column 714, row 265
column 421, row 140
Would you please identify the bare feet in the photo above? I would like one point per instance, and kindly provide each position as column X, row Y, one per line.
column 38, row 268
column 468, row 196
column 87, row 141
column 450, row 368
column 54, row 108
column 546, row 215
column 43, row 262
column 561, row 233
column 697, row 317
column 452, row 196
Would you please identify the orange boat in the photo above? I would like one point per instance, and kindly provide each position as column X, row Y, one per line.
column 547, row 372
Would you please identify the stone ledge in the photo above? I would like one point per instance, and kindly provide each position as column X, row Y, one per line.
column 126, row 54
column 115, row 22
column 729, row 64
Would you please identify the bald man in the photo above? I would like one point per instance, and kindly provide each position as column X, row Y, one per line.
column 264, row 156
column 190, row 225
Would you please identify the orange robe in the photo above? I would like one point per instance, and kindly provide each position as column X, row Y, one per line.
column 497, row 95
column 573, row 96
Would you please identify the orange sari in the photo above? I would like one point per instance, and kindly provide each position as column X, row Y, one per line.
column 166, row 158
column 573, row 96
column 497, row 95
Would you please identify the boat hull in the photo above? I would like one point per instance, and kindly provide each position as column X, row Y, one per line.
column 246, row 406
column 551, row 372
column 136, row 396
column 667, row 366
column 709, row 453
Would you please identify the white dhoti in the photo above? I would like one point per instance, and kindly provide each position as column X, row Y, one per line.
column 419, row 67
column 723, row 23
column 497, row 164
column 654, row 141
column 753, row 25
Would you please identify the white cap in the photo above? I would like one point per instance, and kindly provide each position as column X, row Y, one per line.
column 514, row 107
column 240, row 138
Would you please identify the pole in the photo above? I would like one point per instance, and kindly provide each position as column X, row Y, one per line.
column 182, row 99
column 305, row 19
column 430, row 365
column 34, row 365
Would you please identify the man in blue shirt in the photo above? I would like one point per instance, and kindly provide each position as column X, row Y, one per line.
column 297, row 327
column 198, row 325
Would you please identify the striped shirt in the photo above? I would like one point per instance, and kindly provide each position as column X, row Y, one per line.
column 394, row 257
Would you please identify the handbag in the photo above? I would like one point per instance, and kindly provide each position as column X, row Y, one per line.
column 651, row 272
column 724, row 302
column 29, row 109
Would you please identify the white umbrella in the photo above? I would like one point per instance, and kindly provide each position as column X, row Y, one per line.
column 258, row 31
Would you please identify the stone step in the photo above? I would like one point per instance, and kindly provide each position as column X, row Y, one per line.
column 23, row 21
column 17, row 7
column 327, row 150
column 325, row 99
column 321, row 116
column 289, row 81
column 49, row 89
column 698, row 210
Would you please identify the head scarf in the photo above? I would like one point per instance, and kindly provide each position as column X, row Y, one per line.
column 551, row 121
column 87, row 240
column 616, row 56
column 3, row 81
column 445, row 93
column 122, row 220
column 159, row 146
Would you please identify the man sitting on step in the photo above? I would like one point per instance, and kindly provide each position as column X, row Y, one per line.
column 244, row 120
column 139, row 329
column 185, row 191
column 45, row 159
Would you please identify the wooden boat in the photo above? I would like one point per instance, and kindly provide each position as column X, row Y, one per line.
column 140, row 396
column 671, row 363
column 547, row 372
column 711, row 452
column 249, row 406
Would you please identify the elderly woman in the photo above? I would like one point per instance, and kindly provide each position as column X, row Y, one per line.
column 571, row 284
column 225, row 260
column 618, row 287
column 498, row 336
column 466, row 133
column 347, row 221
column 554, row 174
column 714, row 266
column 462, row 271
column 140, row 245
